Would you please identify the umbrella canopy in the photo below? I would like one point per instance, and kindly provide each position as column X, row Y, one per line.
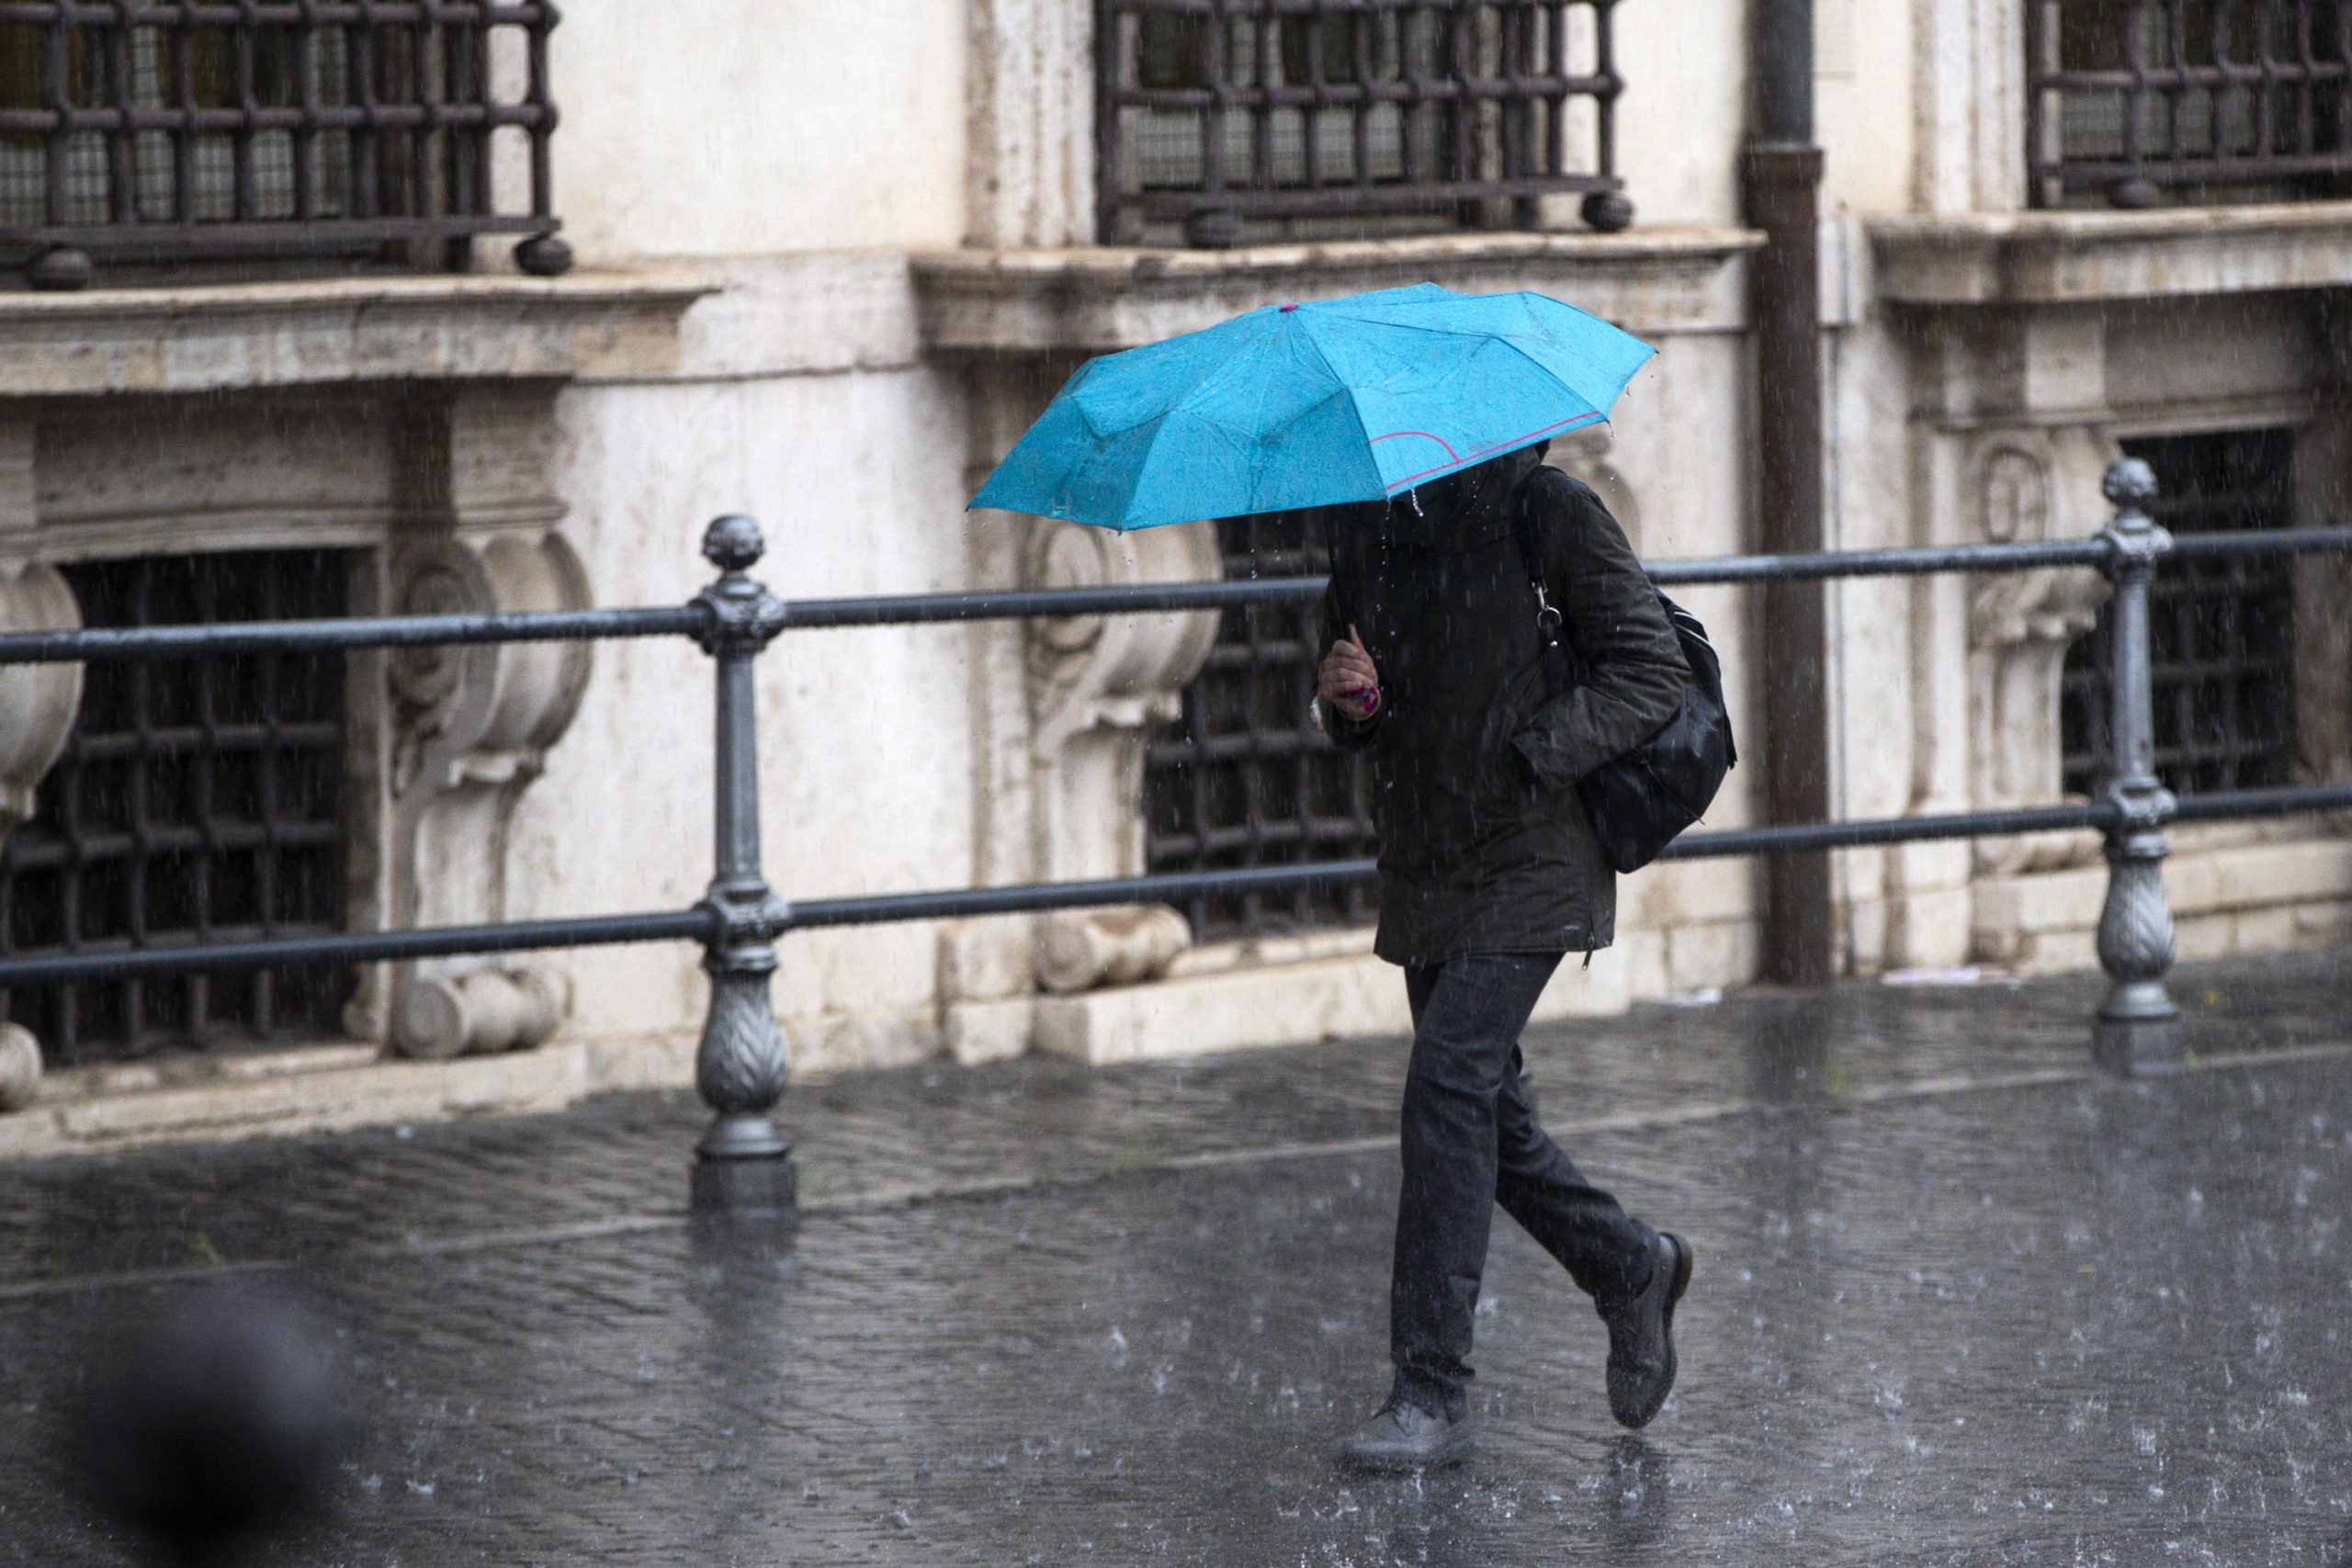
column 1313, row 405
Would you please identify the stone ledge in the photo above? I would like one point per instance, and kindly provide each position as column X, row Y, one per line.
column 1275, row 1004
column 184, row 339
column 1098, row 300
column 327, row 1090
column 2044, row 258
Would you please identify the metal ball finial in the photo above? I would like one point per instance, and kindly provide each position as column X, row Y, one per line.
column 732, row 543
column 2131, row 483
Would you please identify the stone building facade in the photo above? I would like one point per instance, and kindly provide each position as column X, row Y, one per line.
column 827, row 262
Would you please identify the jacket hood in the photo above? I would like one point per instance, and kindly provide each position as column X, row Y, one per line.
column 1464, row 509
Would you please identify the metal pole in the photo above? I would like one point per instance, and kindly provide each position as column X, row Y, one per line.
column 743, row 1164
column 2138, row 1029
column 1782, row 168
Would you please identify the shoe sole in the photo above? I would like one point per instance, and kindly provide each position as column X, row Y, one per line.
column 1675, row 1287
column 1454, row 1452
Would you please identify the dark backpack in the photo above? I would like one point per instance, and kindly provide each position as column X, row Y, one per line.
column 1638, row 802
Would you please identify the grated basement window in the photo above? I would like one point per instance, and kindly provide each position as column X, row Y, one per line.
column 197, row 799
column 2220, row 632
column 1245, row 778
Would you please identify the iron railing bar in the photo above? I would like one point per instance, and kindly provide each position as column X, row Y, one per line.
column 2290, row 800
column 688, row 620
column 697, row 924
column 2261, row 542
column 918, row 609
column 1262, row 881
column 372, row 631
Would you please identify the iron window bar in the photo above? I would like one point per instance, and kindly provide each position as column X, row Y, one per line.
column 177, row 130
column 2130, row 99
column 1215, row 119
column 742, row 1163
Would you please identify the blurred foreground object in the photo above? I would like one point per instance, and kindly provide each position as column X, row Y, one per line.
column 216, row 1420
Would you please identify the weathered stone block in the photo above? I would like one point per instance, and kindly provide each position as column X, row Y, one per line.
column 1698, row 957
column 2198, row 937
column 1273, row 1005
column 986, row 960
column 1641, row 955
column 990, row 1032
column 2259, row 874
column 2056, row 952
column 2266, row 930
column 1931, row 930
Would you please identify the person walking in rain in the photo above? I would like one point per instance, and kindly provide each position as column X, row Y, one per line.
column 1489, row 874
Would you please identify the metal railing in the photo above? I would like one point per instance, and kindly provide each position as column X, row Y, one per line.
column 742, row 1163
column 172, row 129
column 1213, row 117
column 2132, row 98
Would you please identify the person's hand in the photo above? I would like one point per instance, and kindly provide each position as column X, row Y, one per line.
column 1348, row 681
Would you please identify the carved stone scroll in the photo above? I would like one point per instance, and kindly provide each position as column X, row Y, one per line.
column 1098, row 686
column 2019, row 627
column 19, row 1068
column 474, row 725
column 38, row 702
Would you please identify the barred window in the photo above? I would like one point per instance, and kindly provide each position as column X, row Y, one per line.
column 2133, row 101
column 1245, row 778
column 171, row 128
column 198, row 799
column 1224, row 119
column 2220, row 631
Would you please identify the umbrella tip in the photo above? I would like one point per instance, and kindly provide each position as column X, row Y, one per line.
column 1290, row 306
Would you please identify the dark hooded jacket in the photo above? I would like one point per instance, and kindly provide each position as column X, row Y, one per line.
column 1485, row 846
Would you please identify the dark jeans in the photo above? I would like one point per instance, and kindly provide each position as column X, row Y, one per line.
column 1471, row 1141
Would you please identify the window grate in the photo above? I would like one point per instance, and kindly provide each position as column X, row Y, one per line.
column 1245, row 778
column 2206, row 99
column 1221, row 118
column 168, row 129
column 198, row 799
column 2220, row 632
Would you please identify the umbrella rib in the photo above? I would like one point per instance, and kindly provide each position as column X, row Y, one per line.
column 1354, row 411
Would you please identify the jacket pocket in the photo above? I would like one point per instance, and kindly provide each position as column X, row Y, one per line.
column 1506, row 791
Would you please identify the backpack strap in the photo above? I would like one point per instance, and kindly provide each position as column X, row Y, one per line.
column 1558, row 663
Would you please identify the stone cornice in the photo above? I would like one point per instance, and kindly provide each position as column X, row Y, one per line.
column 178, row 339
column 2050, row 258
column 1097, row 300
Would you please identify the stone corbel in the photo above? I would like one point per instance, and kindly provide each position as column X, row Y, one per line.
column 2019, row 626
column 38, row 703
column 473, row 727
column 1098, row 686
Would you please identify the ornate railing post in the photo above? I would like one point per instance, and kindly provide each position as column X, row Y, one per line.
column 743, row 1164
column 2138, row 1029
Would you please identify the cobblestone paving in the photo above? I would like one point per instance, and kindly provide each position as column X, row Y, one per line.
column 1959, row 1302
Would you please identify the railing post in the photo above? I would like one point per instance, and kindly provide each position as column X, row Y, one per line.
column 2138, row 1029
column 743, row 1164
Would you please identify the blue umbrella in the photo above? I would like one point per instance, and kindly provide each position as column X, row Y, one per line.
column 1312, row 405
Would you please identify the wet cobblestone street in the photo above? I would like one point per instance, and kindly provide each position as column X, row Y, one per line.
column 1959, row 1301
